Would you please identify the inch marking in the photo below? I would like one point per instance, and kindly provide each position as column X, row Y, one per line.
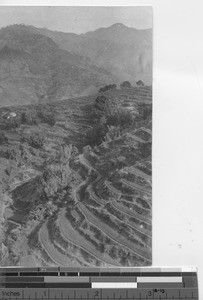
column 93, row 294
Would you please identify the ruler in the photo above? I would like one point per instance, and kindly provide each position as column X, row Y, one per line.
column 98, row 283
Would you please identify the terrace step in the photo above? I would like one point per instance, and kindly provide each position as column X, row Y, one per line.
column 71, row 235
column 115, row 236
column 136, row 186
column 58, row 258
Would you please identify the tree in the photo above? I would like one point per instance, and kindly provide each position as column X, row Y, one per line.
column 55, row 179
column 95, row 135
column 101, row 247
column 3, row 139
column 36, row 140
column 46, row 117
column 113, row 133
column 125, row 84
column 29, row 117
column 145, row 111
column 100, row 101
column 106, row 105
column 107, row 88
column 140, row 83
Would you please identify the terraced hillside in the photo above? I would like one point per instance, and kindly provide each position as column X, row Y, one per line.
column 76, row 181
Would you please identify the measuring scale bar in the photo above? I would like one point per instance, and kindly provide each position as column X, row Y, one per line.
column 105, row 294
column 99, row 283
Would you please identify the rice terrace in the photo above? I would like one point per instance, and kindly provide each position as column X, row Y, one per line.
column 75, row 147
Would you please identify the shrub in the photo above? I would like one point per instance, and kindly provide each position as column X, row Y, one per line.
column 33, row 116
column 106, row 106
column 125, row 84
column 56, row 179
column 107, row 88
column 95, row 135
column 100, row 101
column 29, row 117
column 36, row 140
column 145, row 150
column 46, row 117
column 145, row 112
column 3, row 138
column 140, row 83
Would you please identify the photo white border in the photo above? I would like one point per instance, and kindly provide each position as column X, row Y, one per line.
column 177, row 126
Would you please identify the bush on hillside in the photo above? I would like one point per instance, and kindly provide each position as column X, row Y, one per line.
column 95, row 135
column 36, row 140
column 125, row 84
column 107, row 88
column 106, row 105
column 34, row 116
column 145, row 112
column 46, row 117
column 29, row 117
column 3, row 138
column 140, row 83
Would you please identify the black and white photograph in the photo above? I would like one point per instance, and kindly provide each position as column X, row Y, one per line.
column 76, row 136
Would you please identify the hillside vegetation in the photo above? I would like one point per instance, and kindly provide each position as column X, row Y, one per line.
column 76, row 180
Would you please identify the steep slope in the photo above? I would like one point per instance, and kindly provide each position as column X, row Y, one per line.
column 125, row 52
column 33, row 69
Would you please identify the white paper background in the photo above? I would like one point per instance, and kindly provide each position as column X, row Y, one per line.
column 177, row 128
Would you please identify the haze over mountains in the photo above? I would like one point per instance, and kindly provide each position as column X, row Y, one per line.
column 38, row 65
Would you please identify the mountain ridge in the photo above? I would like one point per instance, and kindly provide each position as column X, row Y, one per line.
column 33, row 69
column 38, row 65
column 123, row 51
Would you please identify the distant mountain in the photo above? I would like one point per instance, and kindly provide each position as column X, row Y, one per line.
column 39, row 65
column 121, row 34
column 123, row 51
column 34, row 69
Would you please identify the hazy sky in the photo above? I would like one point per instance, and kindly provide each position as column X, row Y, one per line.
column 76, row 19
